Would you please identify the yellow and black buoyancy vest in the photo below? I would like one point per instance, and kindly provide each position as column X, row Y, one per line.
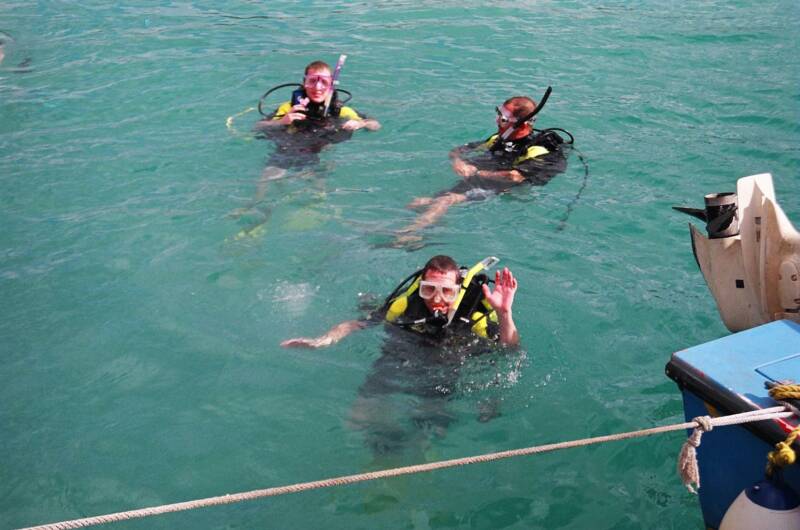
column 409, row 310
column 518, row 150
column 315, row 110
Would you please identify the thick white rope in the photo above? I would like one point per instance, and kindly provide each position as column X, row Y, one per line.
column 687, row 460
column 760, row 415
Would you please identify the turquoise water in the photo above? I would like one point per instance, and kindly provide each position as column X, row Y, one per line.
column 140, row 351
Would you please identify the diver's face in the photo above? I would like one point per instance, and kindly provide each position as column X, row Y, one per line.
column 505, row 119
column 447, row 279
column 317, row 84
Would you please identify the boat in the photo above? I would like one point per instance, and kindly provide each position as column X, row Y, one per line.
column 750, row 259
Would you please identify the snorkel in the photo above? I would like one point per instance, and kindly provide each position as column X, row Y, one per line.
column 520, row 122
column 334, row 84
column 485, row 264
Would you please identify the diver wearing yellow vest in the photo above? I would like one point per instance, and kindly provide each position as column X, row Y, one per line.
column 440, row 299
column 313, row 119
column 517, row 153
column 302, row 127
column 316, row 100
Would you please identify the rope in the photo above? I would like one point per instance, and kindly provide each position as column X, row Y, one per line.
column 229, row 123
column 761, row 415
column 783, row 455
column 784, row 391
column 687, row 460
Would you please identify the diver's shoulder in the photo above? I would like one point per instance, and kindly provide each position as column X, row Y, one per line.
column 349, row 113
column 282, row 109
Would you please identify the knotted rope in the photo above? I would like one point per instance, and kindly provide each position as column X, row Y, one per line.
column 759, row 415
column 687, row 460
column 783, row 455
column 786, row 393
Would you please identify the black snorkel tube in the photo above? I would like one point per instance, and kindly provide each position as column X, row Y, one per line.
column 519, row 123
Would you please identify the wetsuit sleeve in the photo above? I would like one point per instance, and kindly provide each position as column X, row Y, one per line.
column 376, row 317
column 540, row 168
column 281, row 111
column 348, row 113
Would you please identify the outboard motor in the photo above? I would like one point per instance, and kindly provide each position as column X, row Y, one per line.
column 720, row 214
column 751, row 257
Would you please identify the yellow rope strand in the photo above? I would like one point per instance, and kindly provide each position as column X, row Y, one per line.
column 782, row 392
column 783, row 455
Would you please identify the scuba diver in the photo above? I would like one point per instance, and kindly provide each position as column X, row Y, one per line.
column 441, row 300
column 515, row 154
column 314, row 117
column 436, row 319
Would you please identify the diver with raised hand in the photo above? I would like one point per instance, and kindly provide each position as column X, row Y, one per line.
column 438, row 301
column 436, row 319
column 515, row 154
column 314, row 117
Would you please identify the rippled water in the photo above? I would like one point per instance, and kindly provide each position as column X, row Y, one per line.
column 140, row 339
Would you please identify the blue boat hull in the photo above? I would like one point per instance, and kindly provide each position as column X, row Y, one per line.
column 727, row 376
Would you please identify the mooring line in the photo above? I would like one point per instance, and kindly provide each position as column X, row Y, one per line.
column 705, row 422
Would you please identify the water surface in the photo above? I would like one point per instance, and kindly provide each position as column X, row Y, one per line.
column 141, row 363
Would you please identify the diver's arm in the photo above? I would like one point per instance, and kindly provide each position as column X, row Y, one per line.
column 283, row 121
column 501, row 300
column 461, row 167
column 334, row 335
column 368, row 124
column 354, row 121
column 509, row 335
column 282, row 117
column 511, row 175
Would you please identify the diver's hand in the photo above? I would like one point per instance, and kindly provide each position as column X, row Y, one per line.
column 464, row 169
column 296, row 113
column 306, row 342
column 501, row 300
column 505, row 286
column 352, row 125
column 293, row 115
column 371, row 125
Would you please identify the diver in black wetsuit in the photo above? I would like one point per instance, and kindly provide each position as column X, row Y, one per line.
column 440, row 316
column 516, row 154
column 303, row 126
column 310, row 121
